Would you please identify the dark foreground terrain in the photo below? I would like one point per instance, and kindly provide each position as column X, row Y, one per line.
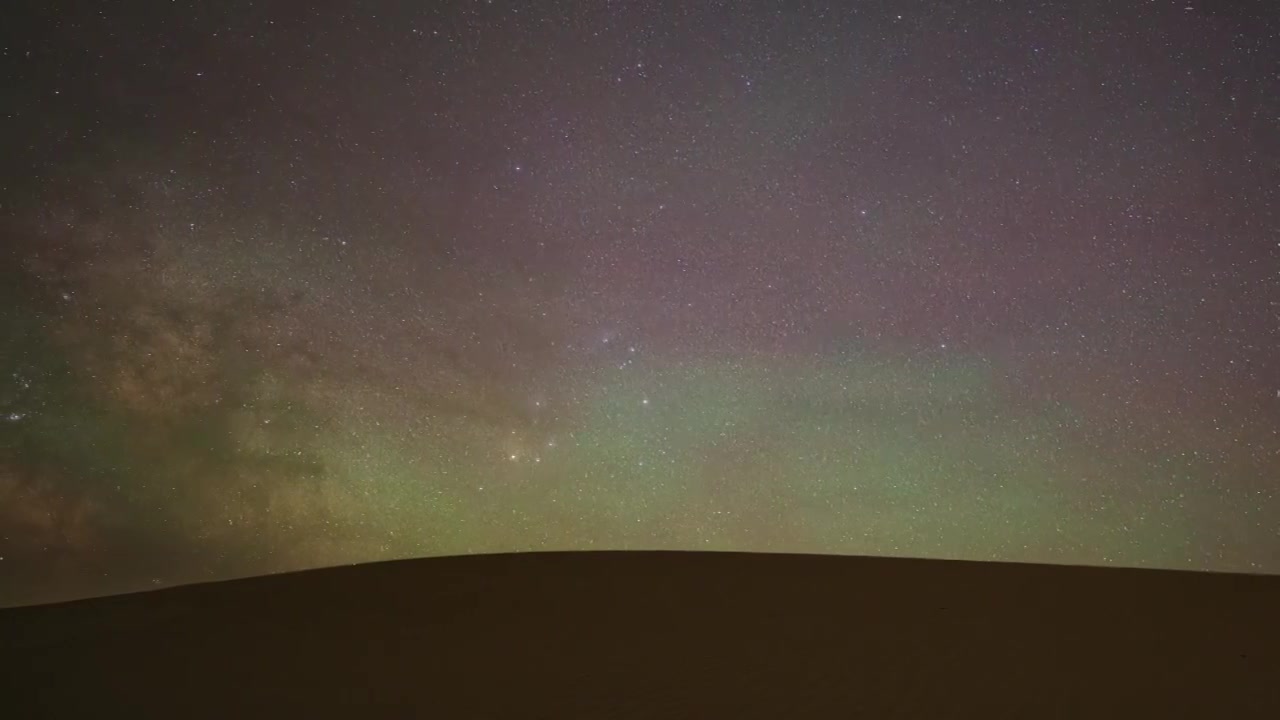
column 659, row 635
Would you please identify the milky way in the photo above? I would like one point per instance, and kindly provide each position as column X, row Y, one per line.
column 288, row 287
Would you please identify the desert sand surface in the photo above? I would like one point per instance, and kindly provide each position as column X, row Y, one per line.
column 659, row 635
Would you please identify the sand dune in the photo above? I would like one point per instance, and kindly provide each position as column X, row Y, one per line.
column 659, row 635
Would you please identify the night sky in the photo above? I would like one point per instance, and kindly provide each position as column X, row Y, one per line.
column 291, row 285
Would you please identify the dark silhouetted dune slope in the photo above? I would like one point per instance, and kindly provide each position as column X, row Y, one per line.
column 659, row 635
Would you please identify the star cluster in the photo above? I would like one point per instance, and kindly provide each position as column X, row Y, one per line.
column 290, row 287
